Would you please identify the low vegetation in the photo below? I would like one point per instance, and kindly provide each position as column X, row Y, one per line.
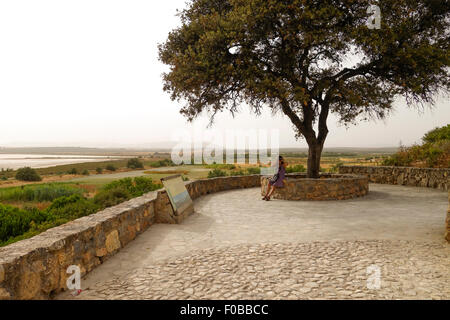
column 67, row 203
column 434, row 152
column 124, row 189
column 221, row 166
column 171, row 172
column 135, row 164
column 162, row 163
column 38, row 193
column 73, row 171
column 27, row 174
column 215, row 173
column 296, row 168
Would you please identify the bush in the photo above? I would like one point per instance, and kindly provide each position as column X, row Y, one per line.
column 27, row 174
column 237, row 173
column 221, row 166
column 85, row 172
column 429, row 154
column 69, row 208
column 4, row 178
column 17, row 224
column 135, row 164
column 335, row 168
column 73, row 171
column 143, row 185
column 110, row 167
column 434, row 152
column 253, row 170
column 111, row 197
column 216, row 173
column 438, row 134
column 296, row 168
column 162, row 163
column 47, row 192
column 124, row 189
column 99, row 170
column 15, row 221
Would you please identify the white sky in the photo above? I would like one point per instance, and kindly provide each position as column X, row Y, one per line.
column 86, row 73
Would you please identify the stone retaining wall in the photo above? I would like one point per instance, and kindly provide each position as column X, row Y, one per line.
column 330, row 187
column 417, row 177
column 36, row 268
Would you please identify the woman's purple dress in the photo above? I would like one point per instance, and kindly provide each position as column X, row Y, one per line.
column 281, row 177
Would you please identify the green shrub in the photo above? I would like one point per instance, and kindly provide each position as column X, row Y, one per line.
column 111, row 197
column 438, row 134
column 73, row 171
column 126, row 183
column 221, row 166
column 253, row 170
column 401, row 159
column 99, row 170
column 430, row 154
column 69, row 208
column 40, row 193
column 335, row 168
column 434, row 152
column 237, row 173
column 143, row 185
column 17, row 224
column 162, row 163
column 27, row 174
column 110, row 167
column 296, row 168
column 216, row 173
column 124, row 189
column 85, row 172
column 135, row 164
column 15, row 221
column 4, row 178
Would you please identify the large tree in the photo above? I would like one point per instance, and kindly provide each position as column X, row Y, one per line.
column 307, row 59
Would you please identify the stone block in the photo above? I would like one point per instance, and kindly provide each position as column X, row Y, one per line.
column 112, row 242
column 4, row 294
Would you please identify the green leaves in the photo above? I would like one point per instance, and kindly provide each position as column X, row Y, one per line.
column 433, row 153
column 292, row 49
column 308, row 58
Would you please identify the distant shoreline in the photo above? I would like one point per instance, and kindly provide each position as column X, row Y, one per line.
column 81, row 151
column 39, row 161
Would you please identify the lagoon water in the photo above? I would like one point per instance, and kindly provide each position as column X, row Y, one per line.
column 15, row 161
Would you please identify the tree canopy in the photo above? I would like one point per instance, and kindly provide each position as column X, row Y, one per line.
column 307, row 59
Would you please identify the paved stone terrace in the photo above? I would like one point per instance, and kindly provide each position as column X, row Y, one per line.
column 239, row 247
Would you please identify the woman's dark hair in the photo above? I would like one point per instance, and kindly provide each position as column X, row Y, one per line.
column 280, row 160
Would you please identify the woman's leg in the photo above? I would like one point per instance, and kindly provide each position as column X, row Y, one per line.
column 272, row 189
column 267, row 190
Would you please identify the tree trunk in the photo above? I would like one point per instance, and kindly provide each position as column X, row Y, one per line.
column 314, row 155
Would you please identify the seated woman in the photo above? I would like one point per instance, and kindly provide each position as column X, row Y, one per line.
column 279, row 182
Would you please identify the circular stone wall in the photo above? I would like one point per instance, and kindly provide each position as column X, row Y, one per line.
column 327, row 187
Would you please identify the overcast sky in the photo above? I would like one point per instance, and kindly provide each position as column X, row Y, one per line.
column 86, row 73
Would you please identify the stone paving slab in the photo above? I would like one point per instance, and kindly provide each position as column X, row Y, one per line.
column 319, row 270
column 400, row 228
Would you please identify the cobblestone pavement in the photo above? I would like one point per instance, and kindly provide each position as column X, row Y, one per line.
column 239, row 247
column 319, row 270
